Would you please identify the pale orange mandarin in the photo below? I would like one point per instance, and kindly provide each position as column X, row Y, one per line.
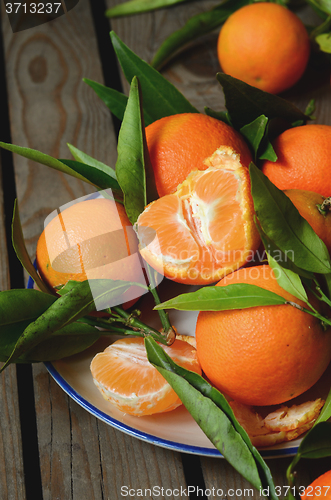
column 206, row 228
column 127, row 379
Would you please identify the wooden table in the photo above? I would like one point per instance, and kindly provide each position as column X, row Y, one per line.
column 50, row 447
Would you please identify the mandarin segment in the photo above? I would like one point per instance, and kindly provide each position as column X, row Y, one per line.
column 125, row 377
column 180, row 143
column 262, row 355
column 206, row 228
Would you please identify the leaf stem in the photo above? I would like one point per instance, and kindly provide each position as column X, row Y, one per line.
column 167, row 327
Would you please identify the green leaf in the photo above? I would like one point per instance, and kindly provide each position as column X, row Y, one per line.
column 254, row 133
column 44, row 159
column 326, row 411
column 89, row 160
column 21, row 251
column 288, row 280
column 219, row 115
column 133, row 167
column 79, row 301
column 324, row 42
column 139, row 6
column 214, row 415
column 114, row 100
column 160, row 97
column 96, row 176
column 222, row 298
column 246, row 103
column 198, row 25
column 322, row 7
column 281, row 222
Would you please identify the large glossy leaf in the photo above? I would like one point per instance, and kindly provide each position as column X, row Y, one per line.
column 44, row 159
column 79, row 301
column 92, row 162
column 22, row 253
column 160, row 97
column 222, row 298
column 214, row 415
column 198, row 25
column 133, row 167
column 113, row 99
column 281, row 222
column 138, row 6
column 246, row 103
column 95, row 175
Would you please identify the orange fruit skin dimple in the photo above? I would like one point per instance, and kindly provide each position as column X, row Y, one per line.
column 180, row 143
column 303, row 159
column 318, row 489
column 262, row 355
column 127, row 379
column 265, row 45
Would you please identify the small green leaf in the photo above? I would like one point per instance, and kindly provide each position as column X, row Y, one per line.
column 324, row 42
column 139, row 6
column 281, row 222
column 89, row 160
column 246, row 103
column 133, row 168
column 214, row 415
column 196, row 26
column 223, row 116
column 288, row 280
column 21, row 251
column 44, row 159
column 160, row 97
column 326, row 411
column 95, row 176
column 79, row 301
column 310, row 109
column 223, row 298
column 113, row 99
column 322, row 7
column 254, row 133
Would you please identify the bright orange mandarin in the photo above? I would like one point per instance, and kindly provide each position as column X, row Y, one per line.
column 262, row 355
column 180, row 143
column 126, row 378
column 206, row 228
column 92, row 239
column 318, row 489
column 303, row 159
column 308, row 203
column 265, row 45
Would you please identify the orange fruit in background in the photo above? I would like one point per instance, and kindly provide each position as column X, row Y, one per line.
column 126, row 378
column 206, row 228
column 265, row 45
column 318, row 489
column 263, row 355
column 303, row 159
column 91, row 239
column 308, row 203
column 180, row 143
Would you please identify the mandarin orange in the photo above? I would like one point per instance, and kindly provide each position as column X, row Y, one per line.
column 265, row 45
column 180, row 143
column 303, row 159
column 206, row 228
column 310, row 206
column 91, row 239
column 126, row 378
column 263, row 355
column 318, row 489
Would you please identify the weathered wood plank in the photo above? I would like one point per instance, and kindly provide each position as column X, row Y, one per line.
column 51, row 106
column 11, row 458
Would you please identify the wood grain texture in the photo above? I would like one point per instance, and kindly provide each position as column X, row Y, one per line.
column 11, row 458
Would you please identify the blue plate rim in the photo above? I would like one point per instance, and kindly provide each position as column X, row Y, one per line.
column 131, row 431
